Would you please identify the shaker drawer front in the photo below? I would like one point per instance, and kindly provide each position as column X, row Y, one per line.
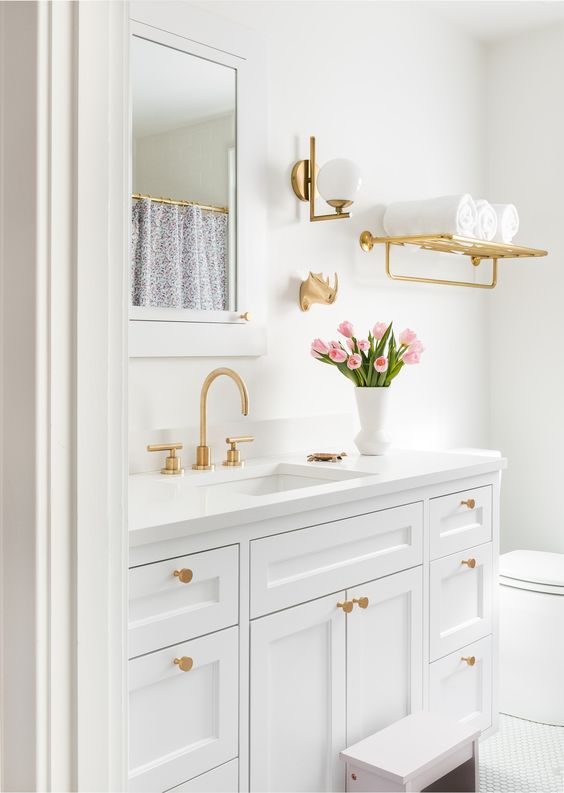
column 460, row 520
column 301, row 565
column 462, row 689
column 461, row 599
column 182, row 598
column 183, row 715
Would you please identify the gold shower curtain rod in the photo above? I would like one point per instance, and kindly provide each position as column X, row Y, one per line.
column 175, row 202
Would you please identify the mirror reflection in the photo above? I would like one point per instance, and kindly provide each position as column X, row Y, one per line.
column 184, row 172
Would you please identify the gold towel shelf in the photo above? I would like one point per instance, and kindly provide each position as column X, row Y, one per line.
column 449, row 243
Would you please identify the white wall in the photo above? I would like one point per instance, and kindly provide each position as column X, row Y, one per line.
column 190, row 163
column 526, row 166
column 394, row 87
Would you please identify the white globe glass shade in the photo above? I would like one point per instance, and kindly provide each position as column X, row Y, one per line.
column 339, row 180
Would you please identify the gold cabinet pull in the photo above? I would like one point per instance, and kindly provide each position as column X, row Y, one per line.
column 470, row 503
column 246, row 316
column 184, row 664
column 185, row 575
column 470, row 659
column 346, row 605
column 362, row 602
column 471, row 563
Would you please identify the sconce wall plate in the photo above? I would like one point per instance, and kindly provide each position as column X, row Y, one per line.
column 316, row 289
column 304, row 184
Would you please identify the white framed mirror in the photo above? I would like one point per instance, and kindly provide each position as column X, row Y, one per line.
column 197, row 208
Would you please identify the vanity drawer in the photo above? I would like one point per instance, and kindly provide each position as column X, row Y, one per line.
column 460, row 520
column 460, row 599
column 165, row 608
column 224, row 779
column 308, row 563
column 183, row 723
column 463, row 691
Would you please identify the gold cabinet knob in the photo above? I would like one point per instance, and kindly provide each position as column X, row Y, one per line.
column 246, row 316
column 185, row 575
column 362, row 602
column 184, row 664
column 346, row 605
column 470, row 659
column 469, row 562
column 470, row 503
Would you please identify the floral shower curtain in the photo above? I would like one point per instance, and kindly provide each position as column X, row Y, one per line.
column 178, row 257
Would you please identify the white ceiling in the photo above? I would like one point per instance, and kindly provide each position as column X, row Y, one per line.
column 491, row 20
column 172, row 89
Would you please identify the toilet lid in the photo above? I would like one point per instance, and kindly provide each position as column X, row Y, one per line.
column 537, row 567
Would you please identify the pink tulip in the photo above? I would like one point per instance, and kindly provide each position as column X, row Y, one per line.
column 379, row 329
column 350, row 344
column 363, row 345
column 354, row 361
column 381, row 364
column 416, row 346
column 337, row 355
column 346, row 329
column 411, row 357
column 407, row 337
column 314, row 353
column 320, row 346
column 336, row 344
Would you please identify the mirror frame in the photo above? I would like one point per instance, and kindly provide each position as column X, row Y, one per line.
column 155, row 332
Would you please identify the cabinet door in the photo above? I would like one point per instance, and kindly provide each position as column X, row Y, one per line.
column 297, row 708
column 183, row 723
column 384, row 653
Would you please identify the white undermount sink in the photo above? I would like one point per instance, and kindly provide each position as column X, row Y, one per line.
column 285, row 477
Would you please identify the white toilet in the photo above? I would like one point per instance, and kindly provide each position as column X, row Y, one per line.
column 532, row 636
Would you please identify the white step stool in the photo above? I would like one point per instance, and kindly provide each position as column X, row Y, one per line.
column 424, row 751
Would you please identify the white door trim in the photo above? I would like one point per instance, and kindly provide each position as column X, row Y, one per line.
column 63, row 388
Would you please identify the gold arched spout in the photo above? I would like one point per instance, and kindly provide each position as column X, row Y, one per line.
column 203, row 451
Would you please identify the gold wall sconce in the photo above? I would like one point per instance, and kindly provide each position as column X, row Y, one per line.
column 338, row 182
column 316, row 289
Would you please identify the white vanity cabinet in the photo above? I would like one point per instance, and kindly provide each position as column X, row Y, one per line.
column 309, row 631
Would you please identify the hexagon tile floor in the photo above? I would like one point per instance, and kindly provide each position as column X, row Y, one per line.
column 523, row 757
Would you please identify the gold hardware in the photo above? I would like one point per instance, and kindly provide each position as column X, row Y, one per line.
column 450, row 243
column 470, row 659
column 234, row 454
column 304, row 184
column 353, row 776
column 346, row 605
column 185, row 663
column 471, row 563
column 317, row 290
column 362, row 602
column 173, row 464
column 185, row 575
column 246, row 316
column 470, row 503
column 176, row 202
column 203, row 451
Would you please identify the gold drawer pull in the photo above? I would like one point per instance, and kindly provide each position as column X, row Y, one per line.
column 470, row 659
column 184, row 664
column 185, row 575
column 346, row 605
column 470, row 503
column 470, row 562
column 362, row 602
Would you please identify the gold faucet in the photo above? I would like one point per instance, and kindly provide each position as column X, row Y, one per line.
column 203, row 451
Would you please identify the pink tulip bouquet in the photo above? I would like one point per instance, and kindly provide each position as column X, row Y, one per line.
column 373, row 362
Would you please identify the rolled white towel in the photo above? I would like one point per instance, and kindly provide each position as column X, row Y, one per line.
column 486, row 221
column 449, row 214
column 507, row 222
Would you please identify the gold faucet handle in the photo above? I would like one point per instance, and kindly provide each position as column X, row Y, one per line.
column 173, row 464
column 233, row 453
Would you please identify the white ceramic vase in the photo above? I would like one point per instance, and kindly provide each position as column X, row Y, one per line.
column 372, row 406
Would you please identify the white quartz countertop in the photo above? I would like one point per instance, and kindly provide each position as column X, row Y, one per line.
column 162, row 507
